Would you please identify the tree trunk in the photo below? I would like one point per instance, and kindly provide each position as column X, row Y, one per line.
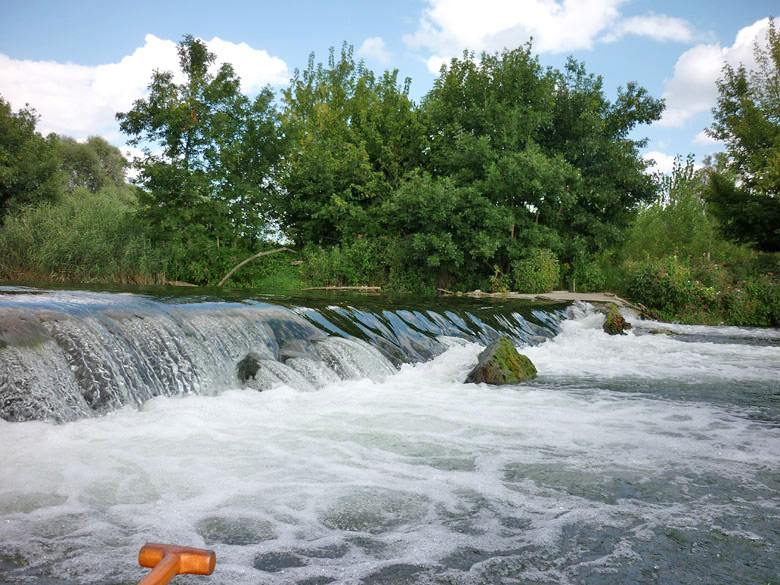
column 239, row 265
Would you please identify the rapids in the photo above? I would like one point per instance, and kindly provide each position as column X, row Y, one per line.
column 634, row 459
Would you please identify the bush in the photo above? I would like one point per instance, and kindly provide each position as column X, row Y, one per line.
column 664, row 285
column 538, row 272
column 587, row 275
column 669, row 287
column 753, row 302
column 359, row 263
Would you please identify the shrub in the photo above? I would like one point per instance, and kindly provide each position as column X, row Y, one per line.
column 538, row 272
column 358, row 263
column 587, row 275
column 664, row 285
column 753, row 302
column 500, row 282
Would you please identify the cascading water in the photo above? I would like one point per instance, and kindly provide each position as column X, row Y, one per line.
column 633, row 459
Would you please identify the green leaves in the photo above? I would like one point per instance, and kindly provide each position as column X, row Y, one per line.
column 211, row 153
column 29, row 166
column 747, row 119
column 353, row 138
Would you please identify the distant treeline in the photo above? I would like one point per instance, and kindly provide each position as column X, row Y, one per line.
column 506, row 175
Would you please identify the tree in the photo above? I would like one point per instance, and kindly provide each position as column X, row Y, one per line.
column 745, row 197
column 29, row 167
column 545, row 147
column 93, row 164
column 209, row 151
column 354, row 136
column 593, row 134
column 677, row 222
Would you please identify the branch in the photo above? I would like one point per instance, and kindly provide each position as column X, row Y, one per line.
column 229, row 274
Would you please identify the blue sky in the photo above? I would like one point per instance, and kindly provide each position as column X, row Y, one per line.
column 79, row 62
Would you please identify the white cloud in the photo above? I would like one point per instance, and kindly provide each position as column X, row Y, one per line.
column 659, row 27
column 435, row 62
column 447, row 27
column 663, row 162
column 705, row 139
column 255, row 68
column 78, row 100
column 374, row 48
column 692, row 89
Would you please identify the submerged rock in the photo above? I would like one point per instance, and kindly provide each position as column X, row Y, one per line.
column 615, row 324
column 500, row 363
column 661, row 332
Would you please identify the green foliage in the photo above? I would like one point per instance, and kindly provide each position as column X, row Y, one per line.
column 665, row 285
column 745, row 215
column 444, row 228
column 354, row 136
column 747, row 119
column 93, row 164
column 359, row 263
column 210, row 154
column 677, row 222
column 753, row 302
column 29, row 167
column 500, row 282
column 587, row 274
column 538, row 272
column 84, row 236
column 670, row 287
column 380, row 261
column 545, row 148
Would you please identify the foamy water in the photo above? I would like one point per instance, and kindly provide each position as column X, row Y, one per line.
column 617, row 465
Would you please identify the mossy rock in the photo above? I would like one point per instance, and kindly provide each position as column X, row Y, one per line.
column 661, row 332
column 500, row 363
column 615, row 324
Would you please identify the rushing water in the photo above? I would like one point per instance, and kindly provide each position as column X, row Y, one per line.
column 634, row 459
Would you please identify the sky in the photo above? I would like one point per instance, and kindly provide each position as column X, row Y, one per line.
column 79, row 62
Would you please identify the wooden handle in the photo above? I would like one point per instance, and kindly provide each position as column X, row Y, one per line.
column 167, row 561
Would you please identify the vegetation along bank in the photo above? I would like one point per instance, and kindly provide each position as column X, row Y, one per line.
column 506, row 176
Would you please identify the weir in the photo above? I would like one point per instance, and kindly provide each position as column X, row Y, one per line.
column 66, row 355
column 366, row 459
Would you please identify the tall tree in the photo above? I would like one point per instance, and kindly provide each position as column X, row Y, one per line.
column 547, row 147
column 354, row 137
column 209, row 151
column 746, row 197
column 29, row 166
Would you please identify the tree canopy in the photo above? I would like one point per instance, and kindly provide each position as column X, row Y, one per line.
column 209, row 151
column 745, row 193
column 502, row 155
column 29, row 166
column 353, row 138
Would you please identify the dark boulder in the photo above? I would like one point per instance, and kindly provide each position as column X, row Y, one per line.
column 500, row 363
column 249, row 366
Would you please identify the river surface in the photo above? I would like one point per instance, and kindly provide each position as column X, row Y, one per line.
column 638, row 459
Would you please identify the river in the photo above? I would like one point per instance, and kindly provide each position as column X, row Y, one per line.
column 365, row 459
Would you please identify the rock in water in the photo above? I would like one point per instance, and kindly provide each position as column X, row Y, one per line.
column 500, row 363
column 615, row 324
column 248, row 367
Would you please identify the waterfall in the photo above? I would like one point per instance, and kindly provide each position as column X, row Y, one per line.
column 311, row 440
column 67, row 355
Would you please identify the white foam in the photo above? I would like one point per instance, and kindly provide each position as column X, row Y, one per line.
column 408, row 468
column 583, row 349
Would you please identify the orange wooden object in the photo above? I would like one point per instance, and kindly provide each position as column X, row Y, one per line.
column 167, row 561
